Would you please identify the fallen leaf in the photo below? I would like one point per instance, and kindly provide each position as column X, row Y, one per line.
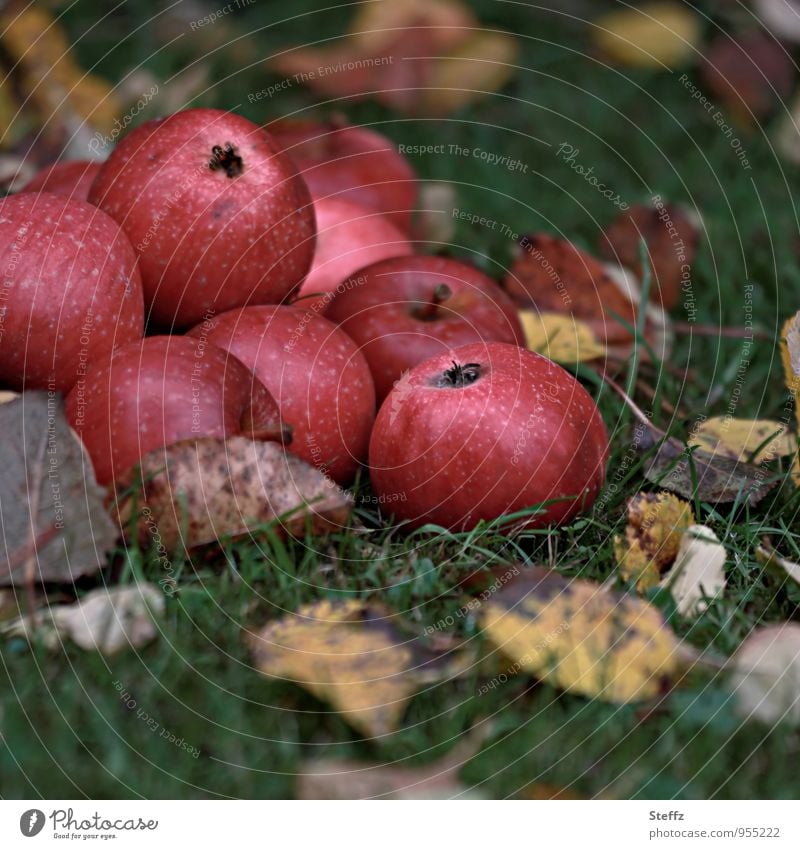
column 199, row 491
column 434, row 225
column 51, row 509
column 718, row 480
column 748, row 74
column 781, row 17
column 779, row 566
column 671, row 235
column 581, row 637
column 740, row 439
column 69, row 104
column 698, row 572
column 349, row 654
column 552, row 275
column 790, row 357
column 477, row 67
column 766, row 674
column 654, row 35
column 104, row 620
column 560, row 337
column 338, row 778
column 652, row 539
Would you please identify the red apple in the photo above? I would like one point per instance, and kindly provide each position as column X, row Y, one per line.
column 352, row 163
column 484, row 431
column 218, row 214
column 73, row 178
column 163, row 389
column 70, row 289
column 349, row 237
column 318, row 376
column 403, row 311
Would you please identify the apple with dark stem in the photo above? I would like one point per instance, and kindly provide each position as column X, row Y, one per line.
column 70, row 289
column 405, row 310
column 317, row 374
column 355, row 164
column 161, row 390
column 349, row 237
column 217, row 213
column 484, row 431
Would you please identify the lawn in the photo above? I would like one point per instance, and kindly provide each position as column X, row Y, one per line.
column 66, row 732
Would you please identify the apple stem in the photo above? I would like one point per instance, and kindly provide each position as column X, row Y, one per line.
column 226, row 159
column 429, row 311
column 459, row 375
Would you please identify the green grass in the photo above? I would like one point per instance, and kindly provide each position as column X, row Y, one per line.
column 65, row 731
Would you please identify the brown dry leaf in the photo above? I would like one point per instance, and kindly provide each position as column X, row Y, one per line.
column 748, row 74
column 671, row 234
column 560, row 337
column 698, row 572
column 738, row 439
column 719, row 480
column 69, row 103
column 654, row 35
column 656, row 523
column 766, row 674
column 552, row 275
column 199, row 491
column 330, row 778
column 779, row 566
column 51, row 508
column 790, row 357
column 349, row 654
column 580, row 637
column 104, row 620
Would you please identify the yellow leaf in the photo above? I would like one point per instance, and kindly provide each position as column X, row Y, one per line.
column 562, row 338
column 484, row 63
column 699, row 570
column 654, row 35
column 740, row 438
column 348, row 654
column 582, row 638
column 656, row 523
column 790, row 356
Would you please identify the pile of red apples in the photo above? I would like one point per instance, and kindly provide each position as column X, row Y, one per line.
column 213, row 278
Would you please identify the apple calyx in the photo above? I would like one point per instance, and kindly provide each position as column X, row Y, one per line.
column 226, row 159
column 429, row 310
column 459, row 376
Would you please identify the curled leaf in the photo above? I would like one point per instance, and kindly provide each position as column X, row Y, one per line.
column 560, row 337
column 746, row 440
column 104, row 620
column 766, row 674
column 698, row 572
column 656, row 523
column 198, row 491
column 55, row 527
column 653, row 35
column 349, row 654
column 582, row 638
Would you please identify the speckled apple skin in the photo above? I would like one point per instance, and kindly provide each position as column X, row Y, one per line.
column 208, row 241
column 317, row 374
column 376, row 309
column 158, row 391
column 523, row 433
column 73, row 179
column 349, row 237
column 70, row 290
column 354, row 164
